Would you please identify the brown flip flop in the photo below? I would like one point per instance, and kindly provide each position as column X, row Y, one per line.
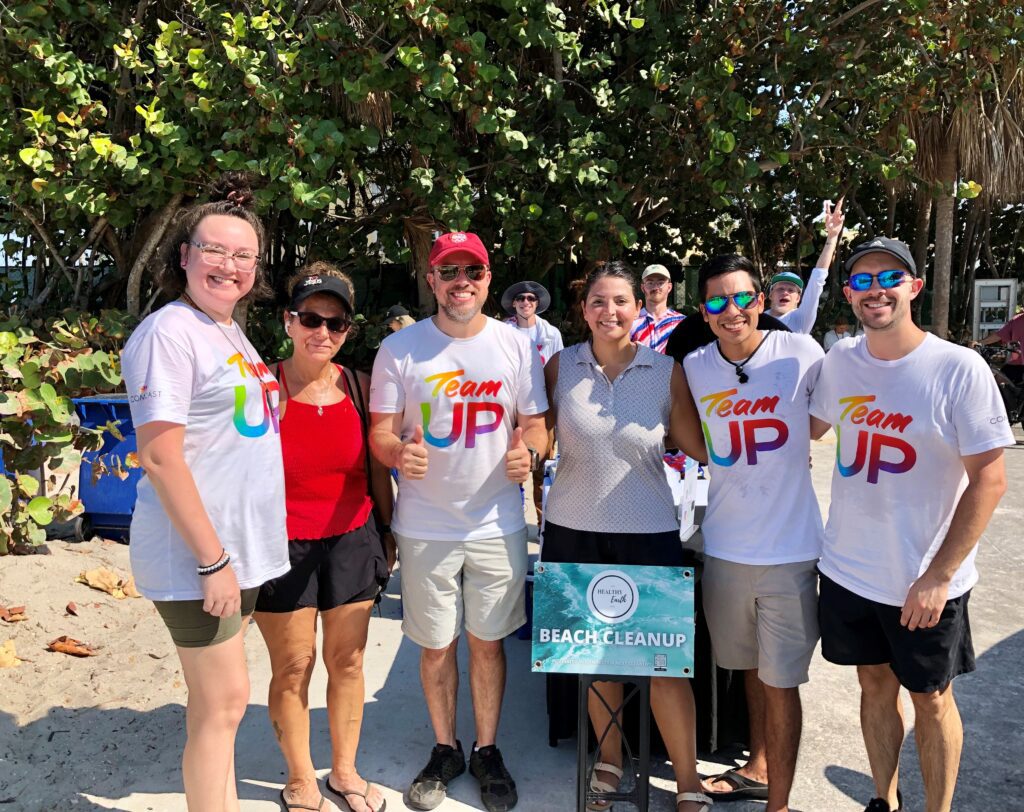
column 363, row 794
column 287, row 805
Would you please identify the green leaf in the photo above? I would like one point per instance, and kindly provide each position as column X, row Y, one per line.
column 723, row 141
column 516, row 140
column 488, row 72
column 968, row 190
column 40, row 510
column 27, row 485
column 6, row 494
column 637, row 23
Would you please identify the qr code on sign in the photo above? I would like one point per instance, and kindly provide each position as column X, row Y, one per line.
column 661, row 662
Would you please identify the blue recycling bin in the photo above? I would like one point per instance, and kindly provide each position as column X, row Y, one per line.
column 109, row 502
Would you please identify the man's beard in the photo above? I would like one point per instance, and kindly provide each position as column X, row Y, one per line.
column 461, row 316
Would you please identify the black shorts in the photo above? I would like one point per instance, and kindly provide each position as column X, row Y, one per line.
column 858, row 631
column 567, row 546
column 329, row 572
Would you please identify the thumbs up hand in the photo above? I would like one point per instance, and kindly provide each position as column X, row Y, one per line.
column 412, row 459
column 517, row 460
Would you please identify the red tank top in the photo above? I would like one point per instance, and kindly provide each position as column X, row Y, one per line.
column 324, row 468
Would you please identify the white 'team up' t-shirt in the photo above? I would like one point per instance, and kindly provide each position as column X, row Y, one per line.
column 181, row 367
column 761, row 503
column 466, row 393
column 901, row 429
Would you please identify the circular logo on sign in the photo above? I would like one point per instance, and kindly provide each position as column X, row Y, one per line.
column 612, row 596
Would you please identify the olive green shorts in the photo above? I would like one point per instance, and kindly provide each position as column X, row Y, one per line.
column 191, row 627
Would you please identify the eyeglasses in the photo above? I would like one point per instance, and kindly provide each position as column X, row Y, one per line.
column 449, row 273
column 744, row 301
column 312, row 321
column 654, row 284
column 525, row 297
column 892, row 278
column 215, row 255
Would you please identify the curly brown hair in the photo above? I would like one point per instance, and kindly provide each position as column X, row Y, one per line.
column 320, row 267
column 232, row 195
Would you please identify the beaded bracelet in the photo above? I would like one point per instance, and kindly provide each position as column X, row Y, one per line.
column 222, row 562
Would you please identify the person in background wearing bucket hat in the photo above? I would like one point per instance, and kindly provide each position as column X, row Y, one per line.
column 524, row 302
column 788, row 300
column 920, row 429
column 656, row 320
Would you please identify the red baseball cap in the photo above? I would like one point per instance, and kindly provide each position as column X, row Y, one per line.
column 458, row 241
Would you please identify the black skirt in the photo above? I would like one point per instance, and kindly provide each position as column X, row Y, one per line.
column 563, row 545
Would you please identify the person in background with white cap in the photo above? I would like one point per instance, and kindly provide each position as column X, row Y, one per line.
column 524, row 302
column 656, row 320
column 789, row 302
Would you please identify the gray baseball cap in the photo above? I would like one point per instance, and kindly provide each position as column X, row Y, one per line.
column 882, row 245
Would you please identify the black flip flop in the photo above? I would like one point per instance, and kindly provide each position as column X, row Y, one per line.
column 287, row 805
column 744, row 789
column 344, row 796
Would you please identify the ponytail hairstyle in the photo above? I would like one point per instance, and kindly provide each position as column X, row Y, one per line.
column 230, row 195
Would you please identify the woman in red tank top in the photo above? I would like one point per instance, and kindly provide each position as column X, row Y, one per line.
column 336, row 494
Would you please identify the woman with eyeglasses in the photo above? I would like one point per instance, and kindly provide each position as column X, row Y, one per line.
column 209, row 521
column 613, row 400
column 335, row 494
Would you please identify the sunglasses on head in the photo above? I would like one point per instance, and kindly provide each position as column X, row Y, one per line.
column 886, row 279
column 525, row 297
column 744, row 301
column 312, row 321
column 449, row 273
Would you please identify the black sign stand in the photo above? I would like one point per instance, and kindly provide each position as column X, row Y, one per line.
column 639, row 768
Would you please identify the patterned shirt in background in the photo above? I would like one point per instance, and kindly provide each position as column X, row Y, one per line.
column 654, row 334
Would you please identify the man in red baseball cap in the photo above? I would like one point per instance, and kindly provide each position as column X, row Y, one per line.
column 457, row 404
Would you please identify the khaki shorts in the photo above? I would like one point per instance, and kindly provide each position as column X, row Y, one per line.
column 191, row 627
column 763, row 616
column 447, row 583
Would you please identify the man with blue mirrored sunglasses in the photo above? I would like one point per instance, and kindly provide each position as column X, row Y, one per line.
column 920, row 429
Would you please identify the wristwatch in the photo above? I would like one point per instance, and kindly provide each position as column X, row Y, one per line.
column 534, row 458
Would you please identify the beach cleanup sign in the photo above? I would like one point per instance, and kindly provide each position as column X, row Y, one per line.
column 615, row 620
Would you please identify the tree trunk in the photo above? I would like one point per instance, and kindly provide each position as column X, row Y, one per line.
column 142, row 260
column 944, row 213
column 967, row 254
column 865, row 220
column 890, row 215
column 966, row 310
column 419, row 238
column 922, row 231
column 799, row 234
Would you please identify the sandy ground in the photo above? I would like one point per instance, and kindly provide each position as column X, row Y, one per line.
column 106, row 732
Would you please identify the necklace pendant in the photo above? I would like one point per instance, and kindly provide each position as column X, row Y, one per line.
column 320, row 410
